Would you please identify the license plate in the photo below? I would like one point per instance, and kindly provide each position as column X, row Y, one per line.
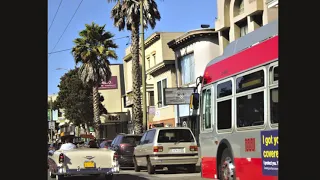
column 89, row 164
column 177, row 150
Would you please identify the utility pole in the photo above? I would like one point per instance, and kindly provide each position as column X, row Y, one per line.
column 144, row 94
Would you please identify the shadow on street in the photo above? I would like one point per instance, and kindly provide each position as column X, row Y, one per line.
column 116, row 177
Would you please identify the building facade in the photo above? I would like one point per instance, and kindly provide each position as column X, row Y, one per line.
column 193, row 50
column 160, row 74
column 116, row 120
column 236, row 18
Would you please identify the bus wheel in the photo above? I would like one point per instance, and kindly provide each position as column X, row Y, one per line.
column 227, row 168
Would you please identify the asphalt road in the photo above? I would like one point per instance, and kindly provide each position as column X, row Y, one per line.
column 129, row 174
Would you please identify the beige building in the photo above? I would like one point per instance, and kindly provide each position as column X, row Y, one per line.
column 160, row 73
column 193, row 51
column 236, row 18
column 115, row 121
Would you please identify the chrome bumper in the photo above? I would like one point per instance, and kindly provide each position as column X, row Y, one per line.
column 62, row 170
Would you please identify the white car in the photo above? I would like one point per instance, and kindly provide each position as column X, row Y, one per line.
column 83, row 161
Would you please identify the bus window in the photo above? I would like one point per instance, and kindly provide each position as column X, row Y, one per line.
column 224, row 89
column 274, row 95
column 224, row 109
column 250, row 107
column 224, row 112
column 250, row 81
column 274, row 105
column 206, row 110
column 275, row 74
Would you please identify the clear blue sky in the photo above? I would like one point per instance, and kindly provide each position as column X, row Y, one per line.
column 176, row 16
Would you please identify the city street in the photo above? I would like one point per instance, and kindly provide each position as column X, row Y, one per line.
column 143, row 175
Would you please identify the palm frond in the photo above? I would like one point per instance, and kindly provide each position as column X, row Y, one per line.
column 92, row 50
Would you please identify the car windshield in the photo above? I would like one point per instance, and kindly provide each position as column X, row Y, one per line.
column 134, row 140
column 175, row 135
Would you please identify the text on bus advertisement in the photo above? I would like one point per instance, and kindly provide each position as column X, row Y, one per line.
column 269, row 152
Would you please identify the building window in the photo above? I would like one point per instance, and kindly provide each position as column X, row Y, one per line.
column 244, row 30
column 206, row 109
column 151, row 98
column 154, row 59
column 238, row 7
column 186, row 67
column 160, row 87
column 148, row 61
column 243, row 27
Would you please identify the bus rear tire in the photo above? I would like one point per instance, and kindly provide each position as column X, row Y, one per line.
column 226, row 166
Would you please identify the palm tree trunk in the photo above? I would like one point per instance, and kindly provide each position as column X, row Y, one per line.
column 96, row 112
column 136, row 81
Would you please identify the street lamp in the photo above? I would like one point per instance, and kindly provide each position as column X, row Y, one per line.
column 144, row 95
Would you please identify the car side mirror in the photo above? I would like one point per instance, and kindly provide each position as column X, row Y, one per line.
column 194, row 101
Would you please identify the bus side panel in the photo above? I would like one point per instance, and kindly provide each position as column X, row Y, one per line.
column 208, row 151
column 243, row 165
column 208, row 167
column 253, row 165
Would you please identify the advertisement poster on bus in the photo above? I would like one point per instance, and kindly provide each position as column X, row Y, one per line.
column 269, row 152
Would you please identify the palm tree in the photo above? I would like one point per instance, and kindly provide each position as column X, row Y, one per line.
column 92, row 50
column 126, row 14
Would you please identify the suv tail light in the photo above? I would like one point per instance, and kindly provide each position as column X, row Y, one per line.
column 157, row 149
column 115, row 156
column 123, row 145
column 61, row 158
column 193, row 148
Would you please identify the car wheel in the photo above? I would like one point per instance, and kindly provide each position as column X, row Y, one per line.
column 150, row 168
column 51, row 175
column 136, row 167
column 108, row 177
column 192, row 168
column 59, row 177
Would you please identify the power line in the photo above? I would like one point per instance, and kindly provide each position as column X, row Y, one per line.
column 55, row 16
column 71, row 48
column 67, row 25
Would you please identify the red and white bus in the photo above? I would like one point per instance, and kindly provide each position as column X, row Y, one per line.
column 239, row 109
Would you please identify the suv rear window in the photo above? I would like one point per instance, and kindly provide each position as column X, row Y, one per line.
column 175, row 135
column 134, row 140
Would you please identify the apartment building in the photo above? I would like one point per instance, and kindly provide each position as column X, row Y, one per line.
column 116, row 120
column 160, row 73
column 236, row 18
column 193, row 51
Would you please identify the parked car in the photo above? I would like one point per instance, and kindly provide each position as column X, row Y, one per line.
column 106, row 144
column 166, row 147
column 82, row 161
column 123, row 145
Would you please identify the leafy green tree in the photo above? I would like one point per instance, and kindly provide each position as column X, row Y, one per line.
column 92, row 50
column 76, row 99
column 126, row 15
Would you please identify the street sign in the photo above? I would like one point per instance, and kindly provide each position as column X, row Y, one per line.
column 52, row 125
column 184, row 124
column 175, row 96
